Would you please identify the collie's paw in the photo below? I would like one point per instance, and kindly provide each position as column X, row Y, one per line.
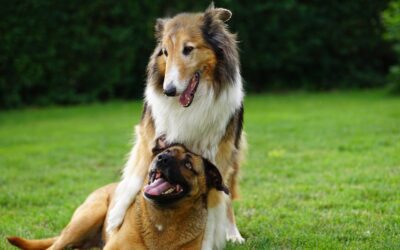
column 115, row 218
column 235, row 239
column 233, row 235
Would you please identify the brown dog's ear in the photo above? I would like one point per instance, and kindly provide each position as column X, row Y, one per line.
column 213, row 177
column 160, row 145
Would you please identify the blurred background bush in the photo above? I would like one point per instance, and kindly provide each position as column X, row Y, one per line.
column 391, row 20
column 64, row 52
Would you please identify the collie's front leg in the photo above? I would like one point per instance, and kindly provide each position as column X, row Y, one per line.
column 134, row 175
column 232, row 234
column 217, row 221
column 124, row 196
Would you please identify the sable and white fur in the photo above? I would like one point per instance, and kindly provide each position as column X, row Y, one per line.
column 211, row 126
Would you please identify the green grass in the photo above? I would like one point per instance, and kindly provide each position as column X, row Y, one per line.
column 322, row 171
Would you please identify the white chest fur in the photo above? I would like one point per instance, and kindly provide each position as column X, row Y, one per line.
column 200, row 126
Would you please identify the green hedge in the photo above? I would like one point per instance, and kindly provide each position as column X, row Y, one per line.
column 391, row 19
column 81, row 51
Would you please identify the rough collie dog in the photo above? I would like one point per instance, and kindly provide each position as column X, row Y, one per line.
column 193, row 96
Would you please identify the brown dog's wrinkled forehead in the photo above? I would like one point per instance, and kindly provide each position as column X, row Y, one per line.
column 177, row 149
column 180, row 151
column 161, row 145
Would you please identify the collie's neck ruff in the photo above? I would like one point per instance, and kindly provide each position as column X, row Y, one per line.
column 201, row 125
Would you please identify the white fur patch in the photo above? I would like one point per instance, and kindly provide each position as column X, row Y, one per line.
column 159, row 227
column 200, row 126
column 173, row 77
column 216, row 227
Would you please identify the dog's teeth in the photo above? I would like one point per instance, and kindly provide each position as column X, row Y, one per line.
column 169, row 191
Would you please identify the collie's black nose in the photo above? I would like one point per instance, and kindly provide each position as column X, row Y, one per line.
column 170, row 90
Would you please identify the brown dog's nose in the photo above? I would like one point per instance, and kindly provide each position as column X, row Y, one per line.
column 164, row 159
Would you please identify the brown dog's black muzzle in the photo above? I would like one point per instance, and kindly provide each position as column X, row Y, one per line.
column 164, row 160
column 168, row 165
column 166, row 182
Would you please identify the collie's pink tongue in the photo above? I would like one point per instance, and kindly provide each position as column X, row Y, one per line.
column 157, row 187
column 187, row 96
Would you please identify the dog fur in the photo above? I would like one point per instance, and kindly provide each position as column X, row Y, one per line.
column 189, row 45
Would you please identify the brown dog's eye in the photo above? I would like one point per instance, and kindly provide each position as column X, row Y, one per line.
column 165, row 52
column 188, row 165
column 187, row 49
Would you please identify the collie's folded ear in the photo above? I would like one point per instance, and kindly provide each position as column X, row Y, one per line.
column 213, row 177
column 219, row 13
column 159, row 27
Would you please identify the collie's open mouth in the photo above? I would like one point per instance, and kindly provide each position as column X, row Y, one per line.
column 187, row 96
column 159, row 187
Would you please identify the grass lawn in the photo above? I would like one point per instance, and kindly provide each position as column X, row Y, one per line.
column 322, row 171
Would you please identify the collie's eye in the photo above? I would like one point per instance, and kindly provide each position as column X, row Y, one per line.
column 187, row 49
column 165, row 52
column 188, row 165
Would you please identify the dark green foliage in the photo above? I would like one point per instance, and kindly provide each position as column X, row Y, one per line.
column 73, row 51
column 391, row 20
column 312, row 44
column 80, row 51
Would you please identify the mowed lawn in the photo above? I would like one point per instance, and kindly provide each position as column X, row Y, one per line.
column 322, row 170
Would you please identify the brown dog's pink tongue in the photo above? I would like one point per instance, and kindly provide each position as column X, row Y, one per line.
column 157, row 187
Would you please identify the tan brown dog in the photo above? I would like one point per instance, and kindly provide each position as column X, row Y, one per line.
column 171, row 213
